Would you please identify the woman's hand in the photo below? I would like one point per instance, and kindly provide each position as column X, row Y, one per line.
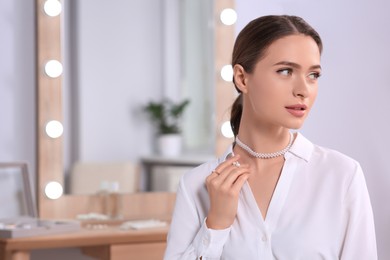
column 224, row 185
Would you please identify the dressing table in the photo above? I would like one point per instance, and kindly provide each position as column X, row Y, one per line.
column 109, row 243
column 102, row 239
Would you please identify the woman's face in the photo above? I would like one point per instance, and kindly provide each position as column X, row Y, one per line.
column 283, row 86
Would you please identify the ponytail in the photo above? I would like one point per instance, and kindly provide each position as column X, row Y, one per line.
column 235, row 115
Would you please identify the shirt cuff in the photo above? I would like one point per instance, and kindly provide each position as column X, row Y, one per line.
column 209, row 243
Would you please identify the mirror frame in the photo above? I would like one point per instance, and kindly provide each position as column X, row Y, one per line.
column 49, row 107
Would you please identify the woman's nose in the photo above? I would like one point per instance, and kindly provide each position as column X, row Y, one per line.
column 301, row 88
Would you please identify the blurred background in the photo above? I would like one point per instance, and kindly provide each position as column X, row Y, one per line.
column 122, row 56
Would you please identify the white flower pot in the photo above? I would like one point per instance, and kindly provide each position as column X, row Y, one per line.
column 169, row 144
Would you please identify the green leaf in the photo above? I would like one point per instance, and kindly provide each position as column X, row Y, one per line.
column 166, row 115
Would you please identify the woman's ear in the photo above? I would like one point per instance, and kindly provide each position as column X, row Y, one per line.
column 240, row 79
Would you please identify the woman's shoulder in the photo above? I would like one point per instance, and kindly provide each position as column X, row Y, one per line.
column 321, row 155
column 334, row 158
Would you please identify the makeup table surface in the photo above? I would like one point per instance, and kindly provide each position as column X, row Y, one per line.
column 98, row 241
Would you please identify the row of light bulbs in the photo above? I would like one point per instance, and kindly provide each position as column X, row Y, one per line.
column 53, row 69
column 228, row 17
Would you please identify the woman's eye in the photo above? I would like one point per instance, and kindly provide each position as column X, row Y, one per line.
column 314, row 75
column 285, row 72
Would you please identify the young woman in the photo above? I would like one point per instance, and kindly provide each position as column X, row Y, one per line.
column 274, row 194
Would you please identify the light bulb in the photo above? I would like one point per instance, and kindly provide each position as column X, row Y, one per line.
column 54, row 129
column 53, row 190
column 226, row 130
column 53, row 68
column 52, row 7
column 228, row 16
column 227, row 73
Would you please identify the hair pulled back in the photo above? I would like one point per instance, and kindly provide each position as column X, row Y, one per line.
column 252, row 43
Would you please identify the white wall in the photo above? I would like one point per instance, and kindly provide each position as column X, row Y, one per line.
column 351, row 113
column 17, row 82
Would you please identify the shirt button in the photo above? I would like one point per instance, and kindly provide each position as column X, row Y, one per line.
column 264, row 238
column 205, row 241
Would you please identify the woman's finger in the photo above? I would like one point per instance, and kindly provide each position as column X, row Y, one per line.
column 237, row 185
column 227, row 163
column 231, row 177
column 222, row 170
column 226, row 180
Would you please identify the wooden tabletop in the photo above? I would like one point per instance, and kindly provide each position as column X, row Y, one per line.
column 86, row 236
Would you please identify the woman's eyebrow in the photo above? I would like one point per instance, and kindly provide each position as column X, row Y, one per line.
column 296, row 65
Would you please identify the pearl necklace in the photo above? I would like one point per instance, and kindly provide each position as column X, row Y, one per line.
column 264, row 155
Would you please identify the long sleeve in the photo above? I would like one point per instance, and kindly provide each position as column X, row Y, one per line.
column 359, row 242
column 188, row 237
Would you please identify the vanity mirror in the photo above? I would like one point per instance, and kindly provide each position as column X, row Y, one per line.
column 60, row 138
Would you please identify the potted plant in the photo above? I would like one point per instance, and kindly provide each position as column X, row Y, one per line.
column 166, row 115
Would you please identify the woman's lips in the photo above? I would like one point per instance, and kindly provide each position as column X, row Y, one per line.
column 298, row 110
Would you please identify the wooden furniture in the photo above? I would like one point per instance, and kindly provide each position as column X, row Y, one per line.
column 109, row 243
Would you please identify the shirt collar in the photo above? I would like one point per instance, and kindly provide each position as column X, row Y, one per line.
column 301, row 148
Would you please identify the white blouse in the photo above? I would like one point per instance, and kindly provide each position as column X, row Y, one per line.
column 320, row 209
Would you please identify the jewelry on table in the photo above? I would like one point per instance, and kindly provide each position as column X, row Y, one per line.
column 264, row 155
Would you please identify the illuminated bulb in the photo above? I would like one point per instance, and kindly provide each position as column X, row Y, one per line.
column 53, row 190
column 228, row 16
column 53, row 68
column 52, row 7
column 227, row 73
column 54, row 129
column 226, row 130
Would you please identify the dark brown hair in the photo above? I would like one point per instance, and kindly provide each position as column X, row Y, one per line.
column 252, row 43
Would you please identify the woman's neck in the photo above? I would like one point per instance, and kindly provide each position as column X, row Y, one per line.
column 263, row 140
